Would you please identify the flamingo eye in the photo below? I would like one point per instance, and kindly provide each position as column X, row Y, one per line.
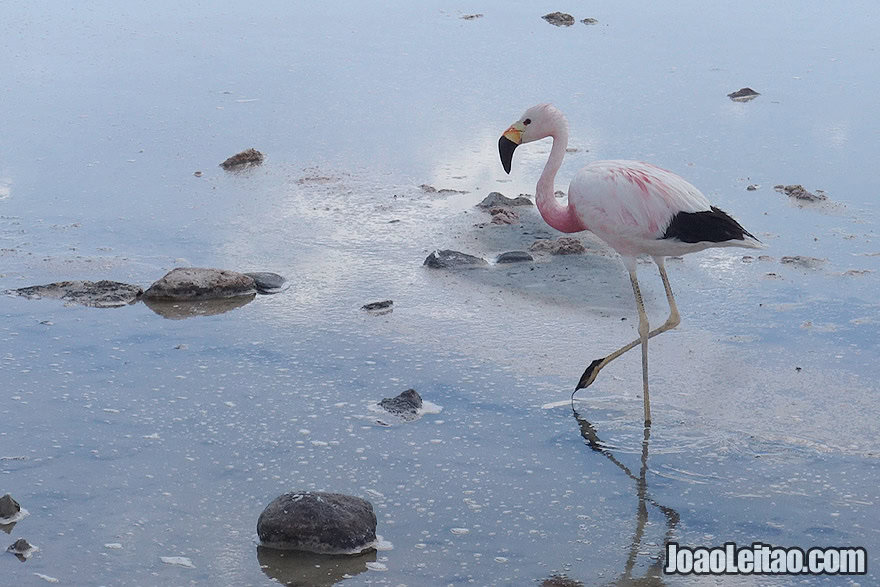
column 527, row 121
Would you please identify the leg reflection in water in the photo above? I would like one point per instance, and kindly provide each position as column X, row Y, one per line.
column 654, row 574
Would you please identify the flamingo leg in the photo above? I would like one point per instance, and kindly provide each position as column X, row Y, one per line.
column 644, row 329
column 672, row 321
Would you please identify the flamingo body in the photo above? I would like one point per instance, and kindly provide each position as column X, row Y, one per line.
column 637, row 208
column 631, row 205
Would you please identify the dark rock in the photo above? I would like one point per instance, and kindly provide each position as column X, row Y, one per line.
column 9, row 508
column 405, row 406
column 743, row 95
column 513, row 257
column 496, row 199
column 98, row 294
column 22, row 549
column 324, row 523
column 268, row 283
column 561, row 581
column 247, row 158
column 559, row 19
column 800, row 193
column 564, row 245
column 590, row 21
column 751, row 187
column 20, row 546
column 471, row 16
column 447, row 259
column 383, row 305
column 193, row 283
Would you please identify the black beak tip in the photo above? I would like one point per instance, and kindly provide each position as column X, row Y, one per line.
column 506, row 147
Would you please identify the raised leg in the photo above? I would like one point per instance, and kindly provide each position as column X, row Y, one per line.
column 671, row 322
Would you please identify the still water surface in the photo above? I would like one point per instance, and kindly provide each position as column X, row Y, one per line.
column 168, row 437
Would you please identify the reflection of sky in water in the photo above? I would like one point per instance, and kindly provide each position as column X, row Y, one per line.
column 115, row 107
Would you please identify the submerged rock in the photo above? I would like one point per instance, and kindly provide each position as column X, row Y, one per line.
column 743, row 95
column 193, row 283
column 247, row 158
column 405, row 406
column 268, row 283
column 514, row 257
column 800, row 193
column 377, row 306
column 448, row 259
column 564, row 245
column 559, row 19
column 97, row 294
column 496, row 199
column 324, row 523
column 803, row 261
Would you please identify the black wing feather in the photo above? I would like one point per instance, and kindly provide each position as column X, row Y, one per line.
column 713, row 226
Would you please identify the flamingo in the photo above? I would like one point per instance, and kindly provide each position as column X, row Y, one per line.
column 635, row 207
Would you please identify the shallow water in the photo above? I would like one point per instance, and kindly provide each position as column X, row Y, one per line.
column 168, row 437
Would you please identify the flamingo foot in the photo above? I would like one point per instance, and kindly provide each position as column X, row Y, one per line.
column 589, row 374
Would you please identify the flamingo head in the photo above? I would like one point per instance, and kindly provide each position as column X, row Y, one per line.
column 536, row 123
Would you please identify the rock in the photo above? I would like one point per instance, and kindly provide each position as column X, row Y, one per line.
column 513, row 257
column 268, row 283
column 560, row 581
column 800, row 193
column 324, row 523
column 22, row 549
column 743, row 95
column 496, row 199
column 564, row 245
column 97, row 294
column 248, row 158
column 802, row 261
column 590, row 21
column 193, row 283
column 405, row 406
column 9, row 508
column 373, row 306
column 504, row 216
column 559, row 19
column 752, row 187
column 448, row 259
column 471, row 16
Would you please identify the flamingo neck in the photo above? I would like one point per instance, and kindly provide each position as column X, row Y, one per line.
column 560, row 216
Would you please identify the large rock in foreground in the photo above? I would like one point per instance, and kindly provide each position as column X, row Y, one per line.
column 98, row 294
column 324, row 523
column 193, row 284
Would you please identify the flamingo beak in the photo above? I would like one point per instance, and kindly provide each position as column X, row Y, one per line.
column 508, row 143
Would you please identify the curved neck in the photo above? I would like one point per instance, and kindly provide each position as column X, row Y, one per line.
column 560, row 216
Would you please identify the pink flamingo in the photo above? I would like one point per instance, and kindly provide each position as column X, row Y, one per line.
column 635, row 207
